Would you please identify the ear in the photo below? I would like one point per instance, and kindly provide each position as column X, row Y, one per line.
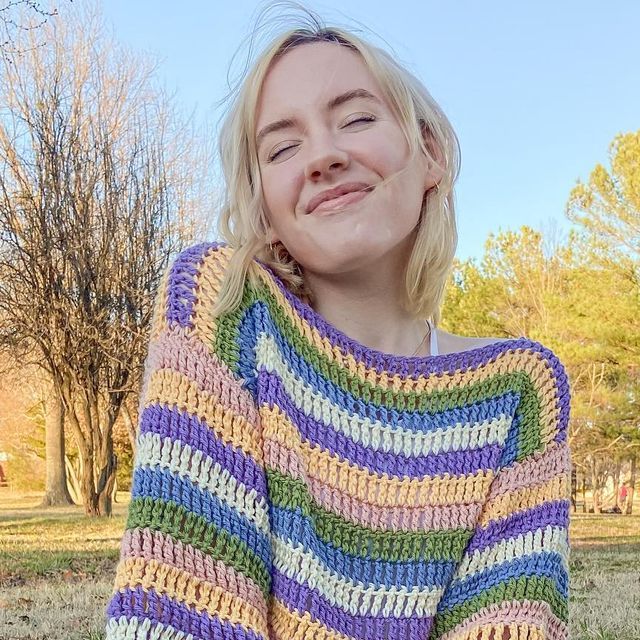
column 434, row 169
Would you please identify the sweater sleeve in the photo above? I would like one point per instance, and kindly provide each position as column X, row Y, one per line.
column 512, row 582
column 195, row 559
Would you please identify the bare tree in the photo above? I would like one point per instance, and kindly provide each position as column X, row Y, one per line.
column 101, row 182
column 17, row 16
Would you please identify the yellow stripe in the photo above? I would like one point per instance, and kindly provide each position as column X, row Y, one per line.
column 295, row 626
column 174, row 389
column 189, row 590
column 495, row 630
column 507, row 504
column 340, row 474
column 208, row 282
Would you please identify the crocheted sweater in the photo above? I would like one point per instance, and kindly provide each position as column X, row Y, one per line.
column 290, row 483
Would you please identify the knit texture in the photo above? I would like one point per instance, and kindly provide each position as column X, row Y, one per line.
column 290, row 483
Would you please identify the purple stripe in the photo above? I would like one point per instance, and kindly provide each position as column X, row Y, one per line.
column 181, row 284
column 563, row 395
column 368, row 627
column 555, row 513
column 454, row 462
column 160, row 608
column 423, row 365
column 188, row 429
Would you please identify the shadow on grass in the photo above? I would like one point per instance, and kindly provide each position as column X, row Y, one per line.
column 19, row 568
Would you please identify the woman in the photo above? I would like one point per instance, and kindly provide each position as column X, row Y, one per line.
column 316, row 459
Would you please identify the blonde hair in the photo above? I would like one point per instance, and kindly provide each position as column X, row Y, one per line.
column 243, row 224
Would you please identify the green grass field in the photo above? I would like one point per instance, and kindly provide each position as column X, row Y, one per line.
column 57, row 568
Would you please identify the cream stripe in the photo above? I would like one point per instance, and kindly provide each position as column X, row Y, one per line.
column 301, row 565
column 135, row 629
column 547, row 539
column 204, row 472
column 373, row 433
column 381, row 489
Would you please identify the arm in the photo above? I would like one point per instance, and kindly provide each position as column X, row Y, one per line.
column 195, row 556
column 512, row 582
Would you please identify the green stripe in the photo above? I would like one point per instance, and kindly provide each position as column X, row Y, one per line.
column 225, row 341
column 533, row 588
column 174, row 520
column 364, row 542
column 226, row 345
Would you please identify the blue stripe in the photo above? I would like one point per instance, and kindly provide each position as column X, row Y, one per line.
column 419, row 421
column 170, row 422
column 294, row 527
column 547, row 564
column 164, row 485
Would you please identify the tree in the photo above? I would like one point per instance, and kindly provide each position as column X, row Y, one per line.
column 102, row 182
column 607, row 211
column 17, row 16
column 558, row 292
column 607, row 207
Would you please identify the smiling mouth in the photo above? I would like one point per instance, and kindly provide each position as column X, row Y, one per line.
column 340, row 202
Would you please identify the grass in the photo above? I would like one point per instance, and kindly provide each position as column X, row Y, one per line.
column 57, row 569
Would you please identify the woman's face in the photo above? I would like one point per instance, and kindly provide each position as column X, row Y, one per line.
column 323, row 123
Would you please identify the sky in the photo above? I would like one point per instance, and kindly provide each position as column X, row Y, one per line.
column 536, row 91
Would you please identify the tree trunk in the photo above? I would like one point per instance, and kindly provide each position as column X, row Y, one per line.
column 616, row 483
column 595, row 487
column 632, row 485
column 56, row 491
column 130, row 423
column 105, row 498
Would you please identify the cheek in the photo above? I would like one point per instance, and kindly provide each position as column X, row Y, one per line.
column 276, row 192
column 386, row 159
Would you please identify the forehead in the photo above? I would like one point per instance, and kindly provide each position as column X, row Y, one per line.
column 308, row 76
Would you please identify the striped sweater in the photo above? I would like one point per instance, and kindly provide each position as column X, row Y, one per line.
column 290, row 483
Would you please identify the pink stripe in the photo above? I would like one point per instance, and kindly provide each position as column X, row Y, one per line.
column 534, row 471
column 537, row 614
column 153, row 545
column 435, row 517
column 190, row 357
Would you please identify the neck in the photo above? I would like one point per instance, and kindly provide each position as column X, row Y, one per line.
column 367, row 306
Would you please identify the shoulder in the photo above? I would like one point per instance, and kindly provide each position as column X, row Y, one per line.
column 450, row 343
column 192, row 274
column 543, row 382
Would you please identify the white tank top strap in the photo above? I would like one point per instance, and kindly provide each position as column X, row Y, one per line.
column 433, row 339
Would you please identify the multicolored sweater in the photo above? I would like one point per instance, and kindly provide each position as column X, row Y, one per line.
column 292, row 484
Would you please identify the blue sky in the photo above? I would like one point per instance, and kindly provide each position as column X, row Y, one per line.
column 536, row 91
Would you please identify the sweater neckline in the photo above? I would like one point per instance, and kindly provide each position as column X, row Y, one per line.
column 405, row 366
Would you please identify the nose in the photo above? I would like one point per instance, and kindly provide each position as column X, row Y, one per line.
column 325, row 158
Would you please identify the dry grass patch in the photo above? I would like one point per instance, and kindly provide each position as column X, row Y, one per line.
column 57, row 569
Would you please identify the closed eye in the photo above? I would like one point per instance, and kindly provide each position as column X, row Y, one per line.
column 273, row 156
column 360, row 119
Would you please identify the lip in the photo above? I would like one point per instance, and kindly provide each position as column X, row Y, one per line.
column 336, row 192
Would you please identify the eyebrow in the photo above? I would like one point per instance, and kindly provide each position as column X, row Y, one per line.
column 285, row 123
